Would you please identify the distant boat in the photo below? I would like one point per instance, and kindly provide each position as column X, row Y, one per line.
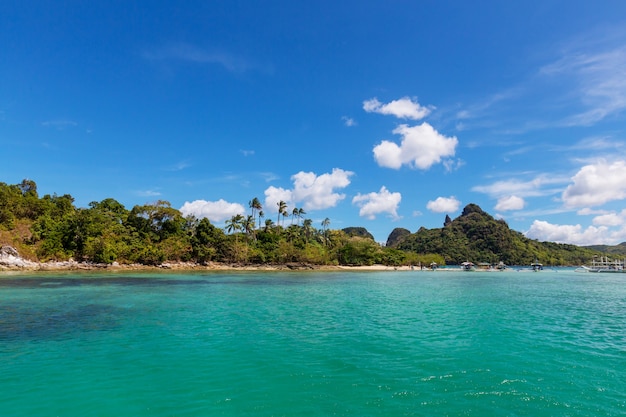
column 536, row 266
column 468, row 266
column 604, row 264
column 501, row 266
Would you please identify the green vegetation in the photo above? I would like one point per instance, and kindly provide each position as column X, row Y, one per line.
column 52, row 228
column 478, row 237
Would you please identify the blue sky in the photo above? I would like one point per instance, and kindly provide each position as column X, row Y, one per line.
column 374, row 114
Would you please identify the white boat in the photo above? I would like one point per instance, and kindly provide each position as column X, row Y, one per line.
column 468, row 266
column 604, row 264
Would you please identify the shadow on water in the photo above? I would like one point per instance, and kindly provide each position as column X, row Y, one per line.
column 29, row 321
column 222, row 279
column 33, row 323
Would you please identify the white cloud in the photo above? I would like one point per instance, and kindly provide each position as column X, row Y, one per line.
column 421, row 147
column 536, row 187
column 215, row 211
column 59, row 124
column 596, row 184
column 575, row 234
column 600, row 81
column 610, row 219
column 403, row 108
column 444, row 205
column 348, row 121
column 588, row 211
column 194, row 54
column 148, row 193
column 312, row 191
column 273, row 195
column 179, row 166
column 510, row 203
column 452, row 165
column 374, row 203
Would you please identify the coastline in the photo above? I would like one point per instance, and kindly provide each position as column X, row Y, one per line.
column 69, row 266
column 11, row 261
column 22, row 265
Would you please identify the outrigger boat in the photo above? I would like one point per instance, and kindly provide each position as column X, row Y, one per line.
column 603, row 265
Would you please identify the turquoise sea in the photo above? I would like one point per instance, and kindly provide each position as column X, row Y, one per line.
column 397, row 343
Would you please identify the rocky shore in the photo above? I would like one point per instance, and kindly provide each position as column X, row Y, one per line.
column 10, row 260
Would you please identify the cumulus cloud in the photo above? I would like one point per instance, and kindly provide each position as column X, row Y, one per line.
column 575, row 234
column 610, row 219
column 313, row 192
column 510, row 203
column 403, row 108
column 273, row 195
column 421, row 147
column 375, row 203
column 444, row 205
column 215, row 211
column 596, row 184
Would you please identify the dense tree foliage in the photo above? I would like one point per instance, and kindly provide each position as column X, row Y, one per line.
column 397, row 235
column 477, row 237
column 358, row 232
column 52, row 228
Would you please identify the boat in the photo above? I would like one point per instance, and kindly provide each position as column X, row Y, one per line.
column 536, row 266
column 501, row 266
column 604, row 264
column 468, row 266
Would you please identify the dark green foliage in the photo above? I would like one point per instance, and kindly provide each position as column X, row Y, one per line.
column 208, row 242
column 478, row 237
column 396, row 236
column 358, row 232
column 359, row 251
column 52, row 228
column 612, row 250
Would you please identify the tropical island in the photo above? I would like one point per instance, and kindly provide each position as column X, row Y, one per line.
column 52, row 229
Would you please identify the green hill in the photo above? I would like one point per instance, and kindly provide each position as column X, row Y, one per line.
column 358, row 232
column 477, row 237
column 610, row 250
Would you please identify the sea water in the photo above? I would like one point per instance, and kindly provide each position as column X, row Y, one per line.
column 398, row 343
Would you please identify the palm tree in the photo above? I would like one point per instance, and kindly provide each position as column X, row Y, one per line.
column 255, row 205
column 294, row 214
column 301, row 214
column 282, row 210
column 234, row 224
column 325, row 224
column 248, row 225
column 307, row 226
column 268, row 224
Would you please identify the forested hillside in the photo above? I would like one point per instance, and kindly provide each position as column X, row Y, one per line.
column 476, row 236
column 52, row 228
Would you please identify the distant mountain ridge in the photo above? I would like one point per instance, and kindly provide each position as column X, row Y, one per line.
column 619, row 249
